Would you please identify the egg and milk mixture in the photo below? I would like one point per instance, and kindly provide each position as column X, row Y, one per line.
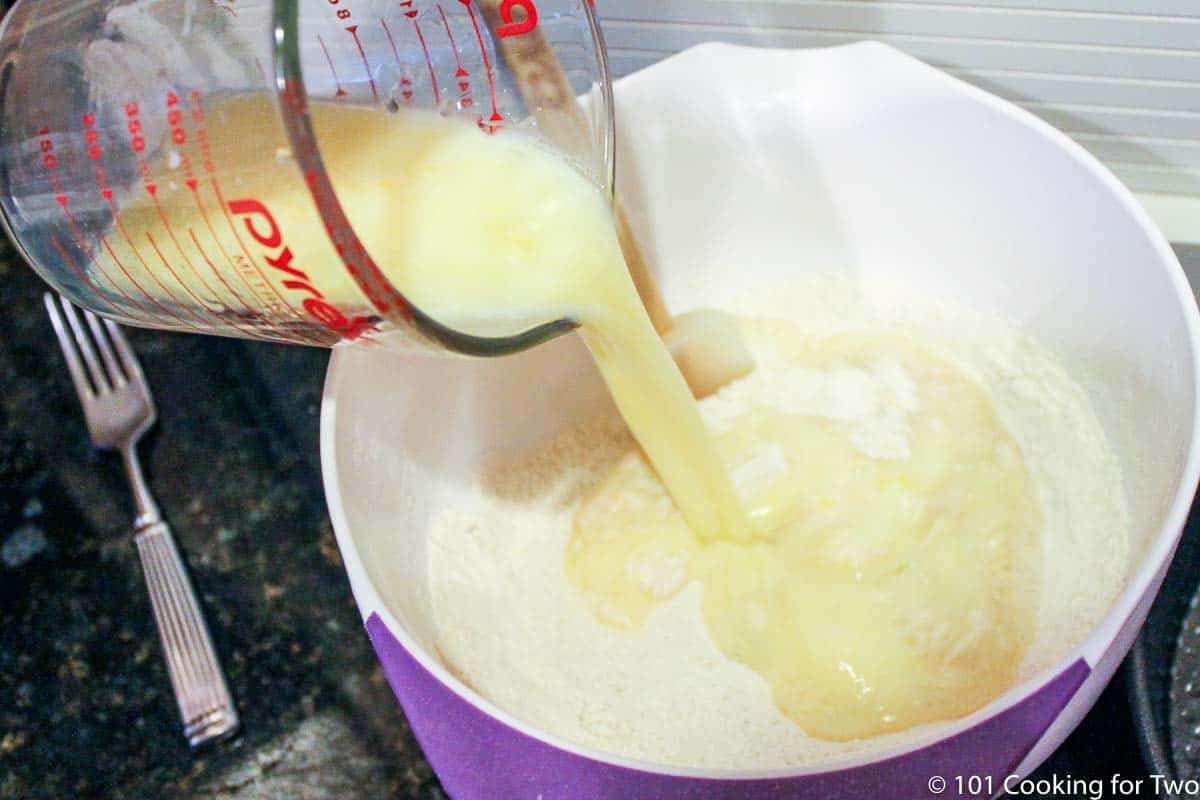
column 871, row 589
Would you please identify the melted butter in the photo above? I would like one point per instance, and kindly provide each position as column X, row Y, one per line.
column 489, row 234
column 872, row 593
column 880, row 592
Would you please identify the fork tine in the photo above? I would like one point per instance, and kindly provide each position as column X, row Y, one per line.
column 67, row 345
column 133, row 369
column 115, row 376
column 95, row 371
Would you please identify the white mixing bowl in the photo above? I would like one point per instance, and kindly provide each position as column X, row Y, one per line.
column 855, row 158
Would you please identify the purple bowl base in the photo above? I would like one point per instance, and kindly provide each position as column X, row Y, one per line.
column 477, row 757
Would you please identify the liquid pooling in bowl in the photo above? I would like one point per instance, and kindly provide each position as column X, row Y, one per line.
column 511, row 625
column 893, row 579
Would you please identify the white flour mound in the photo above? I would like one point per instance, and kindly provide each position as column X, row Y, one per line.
column 510, row 625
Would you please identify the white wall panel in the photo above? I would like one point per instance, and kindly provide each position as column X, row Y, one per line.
column 1121, row 76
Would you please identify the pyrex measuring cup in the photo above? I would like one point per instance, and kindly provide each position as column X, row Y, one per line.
column 137, row 138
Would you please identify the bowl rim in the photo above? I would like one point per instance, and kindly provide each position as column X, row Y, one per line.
column 1097, row 643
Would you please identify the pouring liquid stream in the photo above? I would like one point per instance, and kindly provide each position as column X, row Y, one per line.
column 487, row 234
column 860, row 590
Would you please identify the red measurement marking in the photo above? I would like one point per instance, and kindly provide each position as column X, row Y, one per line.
column 353, row 30
column 116, row 285
column 121, row 265
column 338, row 81
column 102, row 183
column 50, row 163
column 437, row 95
column 265, row 294
column 214, row 314
column 462, row 72
column 264, row 229
column 125, row 234
column 77, row 234
column 179, row 249
column 404, row 81
column 337, row 226
column 162, row 215
column 62, row 251
column 129, row 241
column 145, row 294
column 496, row 118
column 137, row 143
column 340, row 232
column 59, row 195
column 142, row 310
column 391, row 41
column 226, row 284
column 189, row 174
column 179, row 136
column 273, row 305
column 270, row 304
column 92, row 137
column 210, row 169
column 242, row 245
column 228, row 258
column 194, row 186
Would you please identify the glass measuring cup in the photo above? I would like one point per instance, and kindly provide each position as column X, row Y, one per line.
column 136, row 137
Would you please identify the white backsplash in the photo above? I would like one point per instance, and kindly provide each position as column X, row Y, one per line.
column 1120, row 76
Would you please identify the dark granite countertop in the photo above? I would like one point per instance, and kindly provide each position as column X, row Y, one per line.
column 85, row 707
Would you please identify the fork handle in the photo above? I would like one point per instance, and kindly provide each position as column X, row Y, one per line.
column 200, row 690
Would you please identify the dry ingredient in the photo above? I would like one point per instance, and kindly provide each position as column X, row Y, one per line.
column 510, row 624
column 893, row 577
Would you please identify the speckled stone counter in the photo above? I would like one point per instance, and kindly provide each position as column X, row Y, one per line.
column 85, row 707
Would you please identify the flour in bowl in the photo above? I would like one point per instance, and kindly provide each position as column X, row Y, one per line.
column 512, row 626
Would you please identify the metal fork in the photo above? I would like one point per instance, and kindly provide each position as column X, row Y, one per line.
column 119, row 409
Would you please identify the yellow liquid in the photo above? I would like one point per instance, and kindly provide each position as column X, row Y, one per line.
column 881, row 592
column 483, row 233
column 871, row 595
